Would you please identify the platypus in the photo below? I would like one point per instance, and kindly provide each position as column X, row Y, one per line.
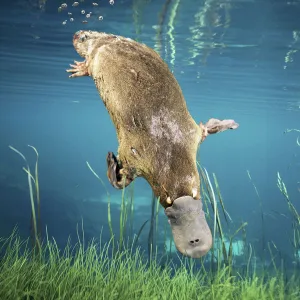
column 158, row 138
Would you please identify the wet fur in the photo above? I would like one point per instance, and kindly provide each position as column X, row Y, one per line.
column 158, row 138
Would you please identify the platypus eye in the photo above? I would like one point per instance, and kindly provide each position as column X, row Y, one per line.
column 81, row 36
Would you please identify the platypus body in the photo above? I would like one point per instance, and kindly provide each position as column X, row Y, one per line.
column 158, row 138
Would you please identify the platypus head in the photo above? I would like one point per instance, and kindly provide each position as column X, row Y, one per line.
column 84, row 41
column 190, row 230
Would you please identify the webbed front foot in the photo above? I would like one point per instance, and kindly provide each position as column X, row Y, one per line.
column 215, row 126
column 115, row 172
column 79, row 69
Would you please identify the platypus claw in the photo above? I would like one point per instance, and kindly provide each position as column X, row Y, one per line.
column 79, row 69
column 115, row 172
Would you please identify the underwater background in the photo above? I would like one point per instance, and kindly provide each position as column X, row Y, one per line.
column 233, row 60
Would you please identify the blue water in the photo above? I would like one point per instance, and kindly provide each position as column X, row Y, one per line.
column 233, row 59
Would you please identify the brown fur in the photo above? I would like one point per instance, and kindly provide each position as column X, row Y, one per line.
column 158, row 138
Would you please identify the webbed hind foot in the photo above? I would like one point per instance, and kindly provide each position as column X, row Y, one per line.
column 115, row 172
column 215, row 126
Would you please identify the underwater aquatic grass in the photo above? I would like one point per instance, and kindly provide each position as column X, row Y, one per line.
column 79, row 272
column 297, row 130
column 34, row 198
column 108, row 199
column 293, row 211
column 295, row 220
column 126, row 213
column 220, row 256
column 103, row 271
